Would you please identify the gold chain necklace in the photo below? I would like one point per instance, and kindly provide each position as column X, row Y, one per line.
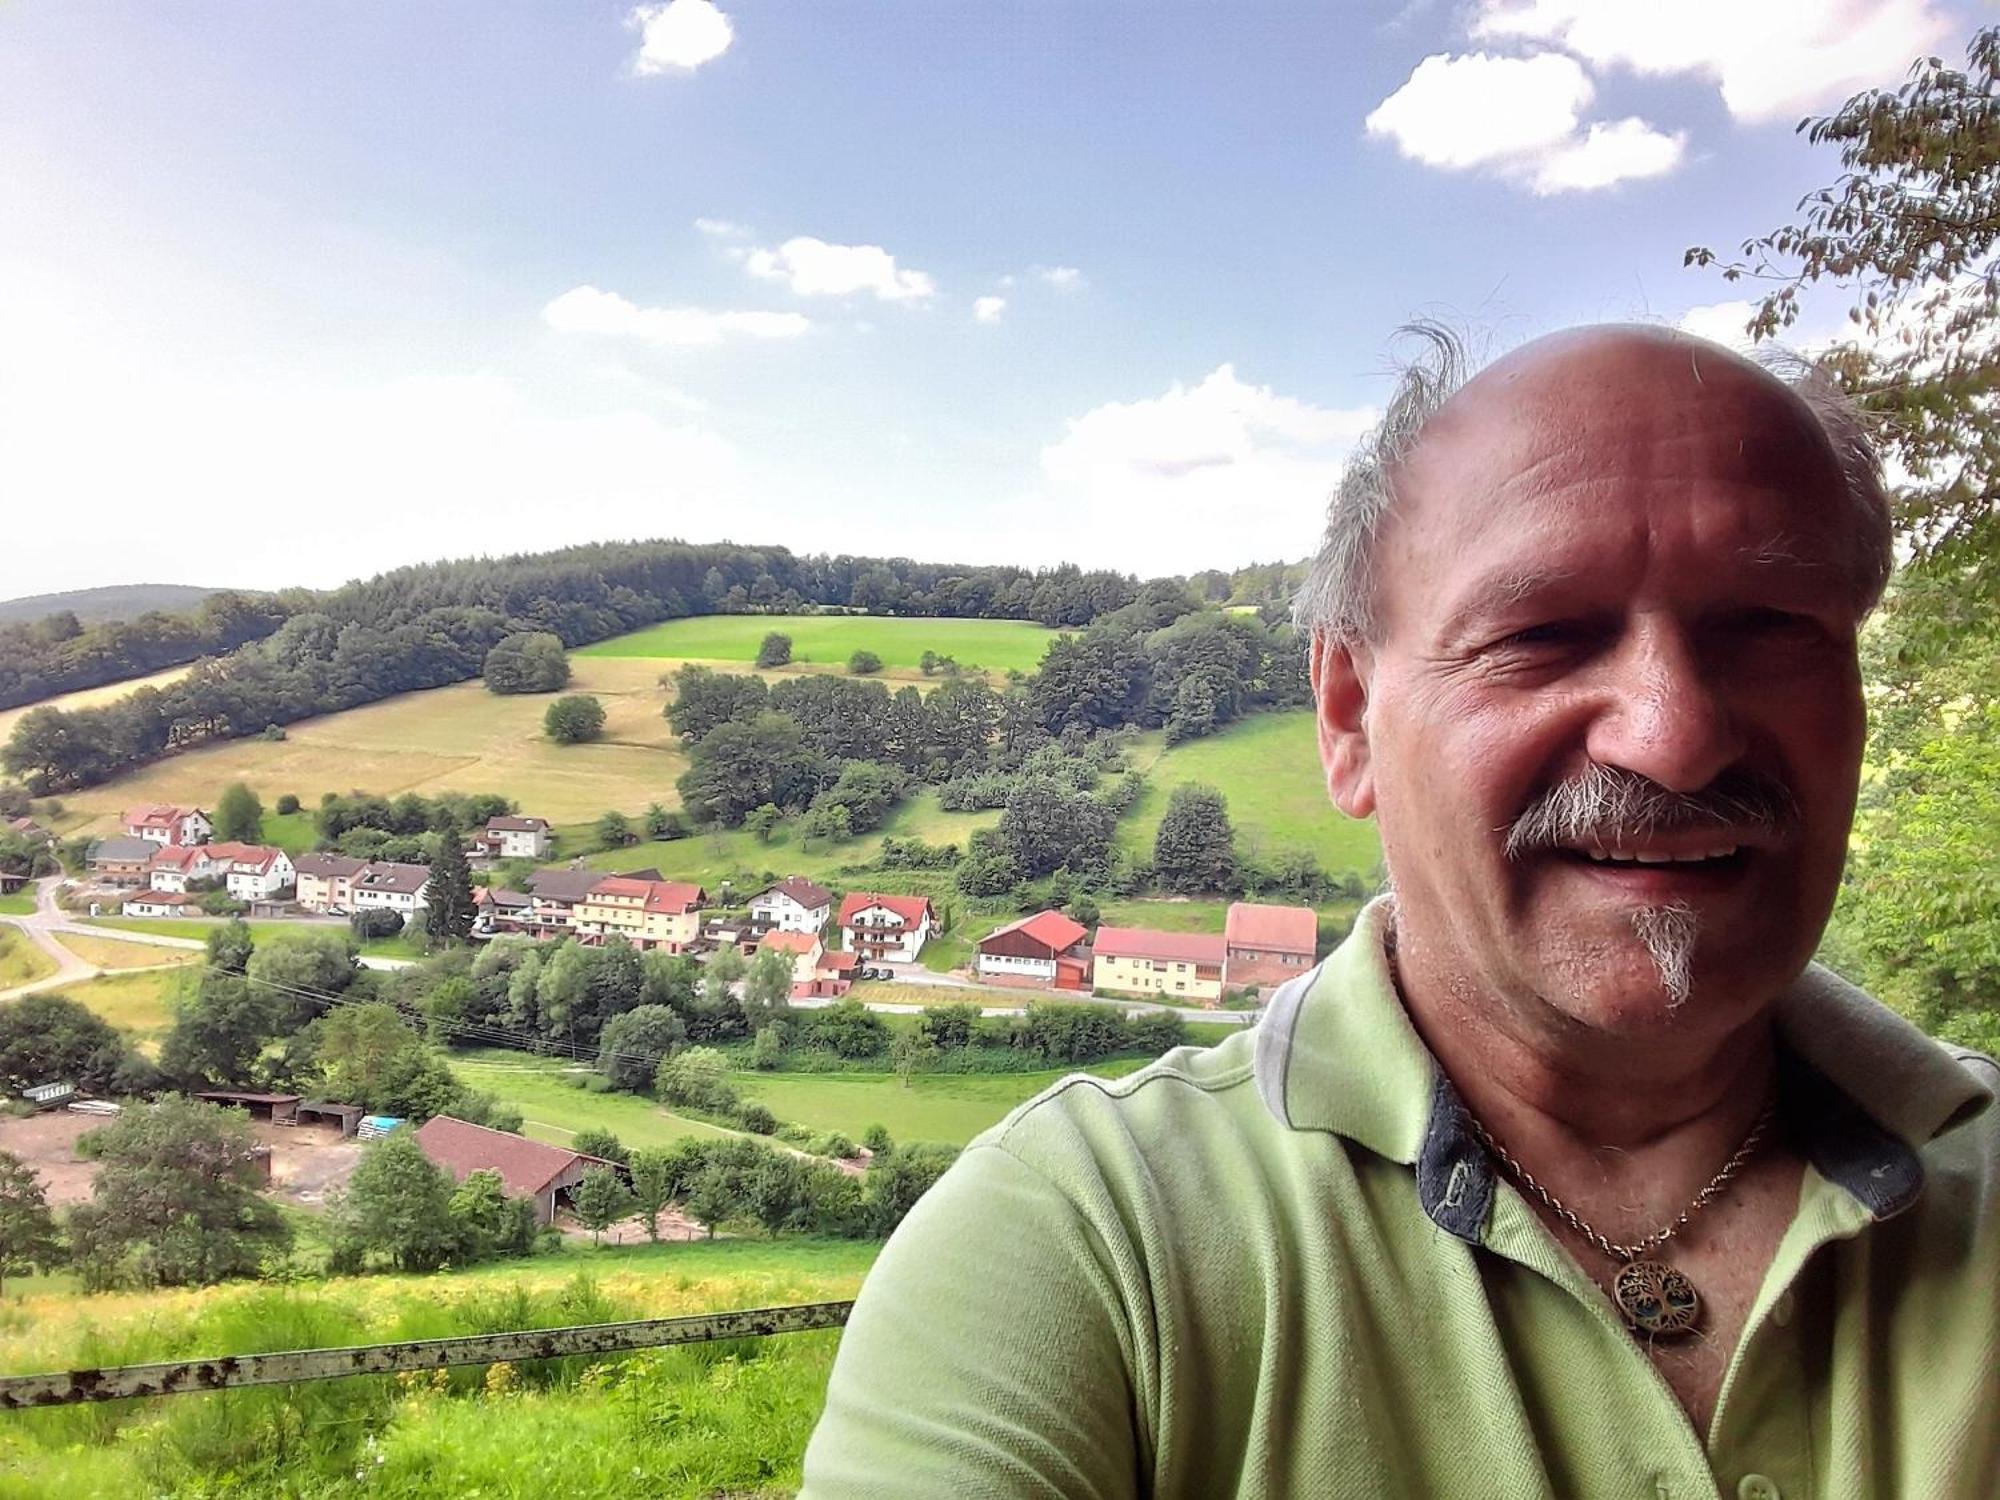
column 1654, row 1298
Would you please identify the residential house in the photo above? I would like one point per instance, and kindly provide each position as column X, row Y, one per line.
column 528, row 1169
column 553, row 897
column 254, row 872
column 804, row 949
column 1045, row 949
column 1268, row 944
column 646, row 912
column 162, row 823
column 794, row 904
column 495, row 911
column 1183, row 966
column 511, row 837
column 391, row 887
column 891, row 929
column 122, row 860
column 162, row 904
column 833, row 976
column 174, row 867
column 326, row 881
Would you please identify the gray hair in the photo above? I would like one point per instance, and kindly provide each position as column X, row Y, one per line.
column 1338, row 596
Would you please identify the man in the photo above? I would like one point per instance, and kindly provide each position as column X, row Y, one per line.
column 1565, row 1175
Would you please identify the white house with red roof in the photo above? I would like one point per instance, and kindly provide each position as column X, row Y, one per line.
column 251, row 872
column 1047, row 949
column 174, row 866
column 511, row 837
column 162, row 823
column 891, row 929
column 804, row 949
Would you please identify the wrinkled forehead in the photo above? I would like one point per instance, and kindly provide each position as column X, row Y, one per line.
column 1591, row 407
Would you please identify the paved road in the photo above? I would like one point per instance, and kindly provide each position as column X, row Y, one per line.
column 50, row 919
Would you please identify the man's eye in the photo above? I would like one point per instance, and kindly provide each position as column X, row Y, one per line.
column 1549, row 633
column 1770, row 622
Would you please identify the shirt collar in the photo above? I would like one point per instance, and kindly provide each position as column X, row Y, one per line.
column 1862, row 1087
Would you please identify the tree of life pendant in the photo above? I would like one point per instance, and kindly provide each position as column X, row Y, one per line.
column 1656, row 1299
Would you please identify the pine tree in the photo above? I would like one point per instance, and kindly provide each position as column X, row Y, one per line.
column 448, row 894
column 1195, row 849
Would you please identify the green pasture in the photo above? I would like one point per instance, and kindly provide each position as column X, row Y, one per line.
column 19, row 903
column 1267, row 766
column 951, row 1107
column 996, row 645
column 21, row 960
column 556, row 1110
column 140, row 1003
column 292, row 832
column 408, row 943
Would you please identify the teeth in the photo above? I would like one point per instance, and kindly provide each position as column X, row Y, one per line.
column 1653, row 857
column 1648, row 857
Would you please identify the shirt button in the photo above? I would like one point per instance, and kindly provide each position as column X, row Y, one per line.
column 1756, row 1487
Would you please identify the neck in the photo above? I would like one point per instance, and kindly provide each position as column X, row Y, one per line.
column 1534, row 1075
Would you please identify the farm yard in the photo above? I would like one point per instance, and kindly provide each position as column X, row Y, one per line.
column 827, row 641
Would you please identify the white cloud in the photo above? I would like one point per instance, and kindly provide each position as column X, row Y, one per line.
column 722, row 229
column 679, row 37
column 1521, row 118
column 1062, row 278
column 585, row 309
column 1467, row 111
column 988, row 309
column 1720, row 323
column 1770, row 58
column 1170, row 476
column 1617, row 152
column 813, row 268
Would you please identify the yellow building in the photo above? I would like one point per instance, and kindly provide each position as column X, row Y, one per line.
column 1177, row 966
column 646, row 913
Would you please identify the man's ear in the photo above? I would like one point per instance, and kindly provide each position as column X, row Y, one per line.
column 1341, row 670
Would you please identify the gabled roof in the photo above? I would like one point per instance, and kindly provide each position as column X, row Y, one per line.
column 159, row 815
column 1173, row 947
column 498, row 899
column 671, row 897
column 1294, row 929
column 912, row 909
column 329, row 866
column 179, row 856
column 526, row 1167
column 382, row 875
column 1051, row 929
column 508, row 823
column 258, row 857
column 790, row 942
column 123, row 847
column 562, row 885
column 163, row 898
column 811, row 897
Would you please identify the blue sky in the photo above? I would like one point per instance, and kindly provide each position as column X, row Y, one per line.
column 295, row 292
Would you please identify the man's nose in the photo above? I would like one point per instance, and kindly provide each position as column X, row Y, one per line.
column 1666, row 711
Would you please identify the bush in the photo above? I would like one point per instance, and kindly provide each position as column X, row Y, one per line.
column 574, row 719
column 876, row 1139
column 371, row 924
column 758, row 1120
column 775, row 651
column 530, row 662
column 833, row 1143
column 864, row 663
column 288, row 804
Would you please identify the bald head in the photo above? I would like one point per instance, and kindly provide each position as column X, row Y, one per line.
column 1595, row 413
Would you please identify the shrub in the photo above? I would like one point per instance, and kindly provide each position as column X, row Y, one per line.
column 775, row 651
column 758, row 1120
column 833, row 1143
column 288, row 804
column 374, row 923
column 876, row 1139
column 864, row 663
column 574, row 719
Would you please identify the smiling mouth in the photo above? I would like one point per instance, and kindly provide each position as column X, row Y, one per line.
column 1719, row 859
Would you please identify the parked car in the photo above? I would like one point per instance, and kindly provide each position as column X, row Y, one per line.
column 881, row 973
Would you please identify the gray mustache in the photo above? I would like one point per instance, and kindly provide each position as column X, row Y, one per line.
column 1614, row 807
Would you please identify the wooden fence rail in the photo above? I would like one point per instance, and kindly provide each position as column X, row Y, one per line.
column 180, row 1377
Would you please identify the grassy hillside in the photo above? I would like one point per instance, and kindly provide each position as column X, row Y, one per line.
column 1267, row 766
column 707, row 1420
column 21, row 962
column 89, row 697
column 110, row 953
column 139, row 1003
column 996, row 645
column 555, row 1109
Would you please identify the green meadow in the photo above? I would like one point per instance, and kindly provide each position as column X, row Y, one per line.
column 996, row 645
column 555, row 1109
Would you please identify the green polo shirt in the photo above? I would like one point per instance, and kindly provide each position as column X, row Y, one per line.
column 1283, row 1267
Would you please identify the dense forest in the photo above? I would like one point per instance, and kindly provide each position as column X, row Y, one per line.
column 267, row 661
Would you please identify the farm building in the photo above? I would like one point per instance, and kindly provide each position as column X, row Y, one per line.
column 1045, row 949
column 279, row 1109
column 1184, row 966
column 528, row 1169
column 30, row 830
column 1269, row 944
column 892, row 929
column 794, row 904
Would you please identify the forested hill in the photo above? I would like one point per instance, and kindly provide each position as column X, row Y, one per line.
column 272, row 660
column 124, row 601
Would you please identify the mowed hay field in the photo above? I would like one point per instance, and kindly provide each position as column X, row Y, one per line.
column 111, row 953
column 1267, row 767
column 457, row 738
column 140, row 1004
column 828, row 640
column 95, row 697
